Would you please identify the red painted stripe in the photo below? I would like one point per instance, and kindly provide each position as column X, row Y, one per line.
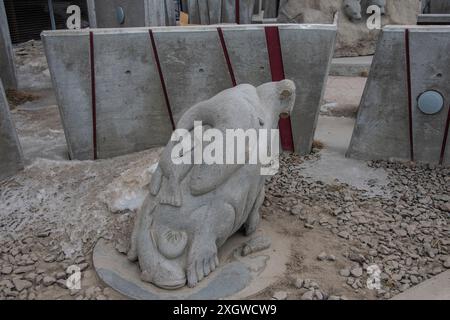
column 444, row 143
column 275, row 54
column 161, row 77
column 227, row 56
column 238, row 12
column 93, row 93
column 277, row 71
column 285, row 127
column 410, row 100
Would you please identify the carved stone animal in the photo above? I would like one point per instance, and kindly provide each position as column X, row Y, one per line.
column 352, row 9
column 176, row 238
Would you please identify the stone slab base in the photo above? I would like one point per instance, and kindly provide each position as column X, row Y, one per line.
column 237, row 277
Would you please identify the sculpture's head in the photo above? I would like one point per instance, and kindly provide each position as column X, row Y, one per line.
column 278, row 97
column 353, row 10
column 165, row 258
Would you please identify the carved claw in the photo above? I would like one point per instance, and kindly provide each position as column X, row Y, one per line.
column 202, row 266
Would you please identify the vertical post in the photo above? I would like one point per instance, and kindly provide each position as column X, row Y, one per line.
column 7, row 68
column 52, row 14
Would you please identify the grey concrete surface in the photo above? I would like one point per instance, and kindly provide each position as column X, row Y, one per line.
column 11, row 158
column 7, row 68
column 193, row 64
column 437, row 288
column 351, row 67
column 335, row 134
column 383, row 127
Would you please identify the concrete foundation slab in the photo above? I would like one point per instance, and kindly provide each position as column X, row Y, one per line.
column 437, row 288
column 7, row 68
column 11, row 158
column 237, row 277
column 117, row 89
column 351, row 67
column 390, row 125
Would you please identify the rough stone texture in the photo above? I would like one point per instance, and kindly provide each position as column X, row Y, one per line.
column 11, row 160
column 138, row 13
column 382, row 129
column 190, row 75
column 7, row 68
column 354, row 38
column 192, row 210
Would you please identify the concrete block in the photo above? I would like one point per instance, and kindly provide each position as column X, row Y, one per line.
column 7, row 68
column 11, row 158
column 409, row 61
column 433, row 19
column 137, row 13
column 139, row 75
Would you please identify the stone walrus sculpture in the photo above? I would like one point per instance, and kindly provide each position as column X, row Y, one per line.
column 193, row 209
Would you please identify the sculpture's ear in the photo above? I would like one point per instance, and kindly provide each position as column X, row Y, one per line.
column 286, row 88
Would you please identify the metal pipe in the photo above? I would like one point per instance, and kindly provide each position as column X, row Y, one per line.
column 52, row 14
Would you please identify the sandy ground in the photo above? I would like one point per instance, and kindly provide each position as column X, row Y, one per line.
column 335, row 211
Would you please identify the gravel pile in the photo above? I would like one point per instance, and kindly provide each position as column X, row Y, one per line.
column 404, row 233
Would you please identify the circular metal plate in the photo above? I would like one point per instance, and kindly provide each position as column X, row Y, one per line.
column 120, row 15
column 430, row 102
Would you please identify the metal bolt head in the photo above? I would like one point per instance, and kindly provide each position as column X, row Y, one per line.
column 120, row 15
column 430, row 102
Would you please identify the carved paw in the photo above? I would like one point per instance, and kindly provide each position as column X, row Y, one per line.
column 201, row 265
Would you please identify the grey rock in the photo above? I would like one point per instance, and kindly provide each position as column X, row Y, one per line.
column 21, row 284
column 309, row 295
column 280, row 295
column 7, row 270
column 357, row 272
column 447, row 263
column 344, row 272
column 299, row 283
column 48, row 281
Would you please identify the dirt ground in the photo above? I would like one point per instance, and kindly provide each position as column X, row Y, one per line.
column 53, row 212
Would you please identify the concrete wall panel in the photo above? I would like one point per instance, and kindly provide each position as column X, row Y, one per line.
column 11, row 159
column 131, row 109
column 313, row 49
column 430, row 70
column 409, row 61
column 138, row 13
column 193, row 65
column 69, row 61
column 7, row 68
column 249, row 65
column 127, row 118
